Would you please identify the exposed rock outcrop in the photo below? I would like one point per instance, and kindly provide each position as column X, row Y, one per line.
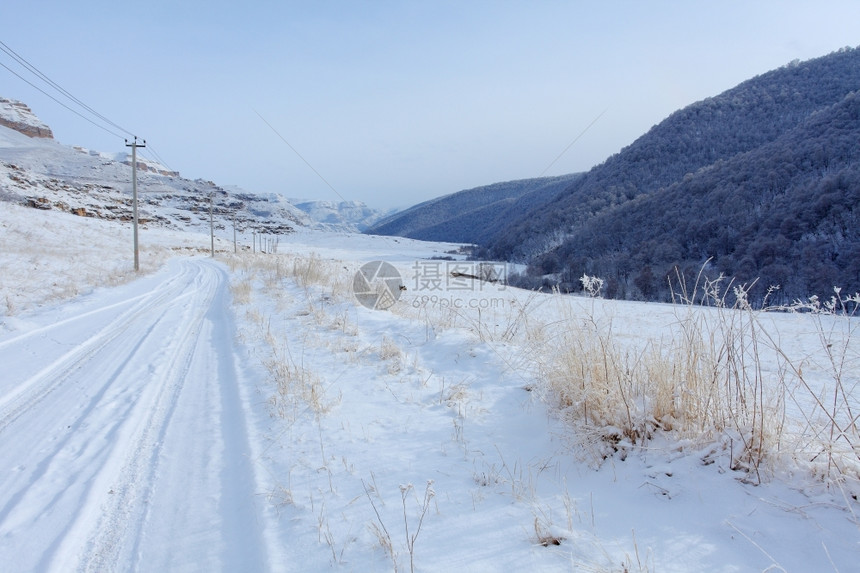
column 16, row 115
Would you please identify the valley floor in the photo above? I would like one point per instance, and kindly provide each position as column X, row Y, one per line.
column 248, row 414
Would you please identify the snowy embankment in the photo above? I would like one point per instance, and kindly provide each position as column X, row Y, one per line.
column 156, row 425
column 50, row 256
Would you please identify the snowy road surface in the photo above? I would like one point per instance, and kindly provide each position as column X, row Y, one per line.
column 123, row 437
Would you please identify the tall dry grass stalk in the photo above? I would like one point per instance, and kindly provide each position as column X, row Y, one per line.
column 825, row 387
column 596, row 383
column 718, row 375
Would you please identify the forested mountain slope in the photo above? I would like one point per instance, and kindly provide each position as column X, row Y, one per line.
column 472, row 215
column 768, row 165
column 786, row 213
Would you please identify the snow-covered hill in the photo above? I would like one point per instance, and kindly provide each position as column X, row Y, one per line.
column 37, row 171
column 44, row 174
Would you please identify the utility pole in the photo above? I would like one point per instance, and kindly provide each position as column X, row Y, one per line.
column 211, row 227
column 134, row 145
column 235, row 250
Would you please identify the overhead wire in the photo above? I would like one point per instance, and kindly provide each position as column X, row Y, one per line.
column 569, row 145
column 300, row 155
column 79, row 114
column 34, row 70
column 158, row 158
column 102, row 122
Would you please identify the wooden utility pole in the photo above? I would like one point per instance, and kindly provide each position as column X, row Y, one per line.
column 211, row 227
column 134, row 145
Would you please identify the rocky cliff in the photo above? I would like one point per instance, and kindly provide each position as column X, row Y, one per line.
column 16, row 115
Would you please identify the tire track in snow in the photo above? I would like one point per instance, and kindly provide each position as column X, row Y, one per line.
column 93, row 495
column 123, row 510
column 238, row 523
column 72, row 365
column 88, row 314
column 31, row 391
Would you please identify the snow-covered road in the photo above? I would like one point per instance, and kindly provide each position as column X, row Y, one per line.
column 123, row 434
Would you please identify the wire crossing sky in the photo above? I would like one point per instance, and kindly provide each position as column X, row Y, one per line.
column 60, row 91
column 393, row 102
column 57, row 93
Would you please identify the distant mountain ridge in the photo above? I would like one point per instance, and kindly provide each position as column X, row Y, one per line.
column 759, row 183
column 471, row 215
column 340, row 215
column 786, row 213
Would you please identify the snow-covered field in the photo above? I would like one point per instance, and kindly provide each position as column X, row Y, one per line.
column 248, row 414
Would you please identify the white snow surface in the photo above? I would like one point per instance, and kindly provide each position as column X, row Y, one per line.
column 141, row 427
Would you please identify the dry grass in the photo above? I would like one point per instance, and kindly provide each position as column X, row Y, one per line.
column 825, row 387
column 51, row 273
column 389, row 350
column 700, row 381
column 717, row 375
column 296, row 386
column 392, row 355
column 241, row 290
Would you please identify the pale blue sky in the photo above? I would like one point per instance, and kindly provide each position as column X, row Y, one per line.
column 396, row 102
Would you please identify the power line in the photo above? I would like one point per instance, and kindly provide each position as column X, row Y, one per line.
column 39, row 74
column 59, row 102
column 158, row 158
column 569, row 145
column 299, row 155
column 64, row 92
